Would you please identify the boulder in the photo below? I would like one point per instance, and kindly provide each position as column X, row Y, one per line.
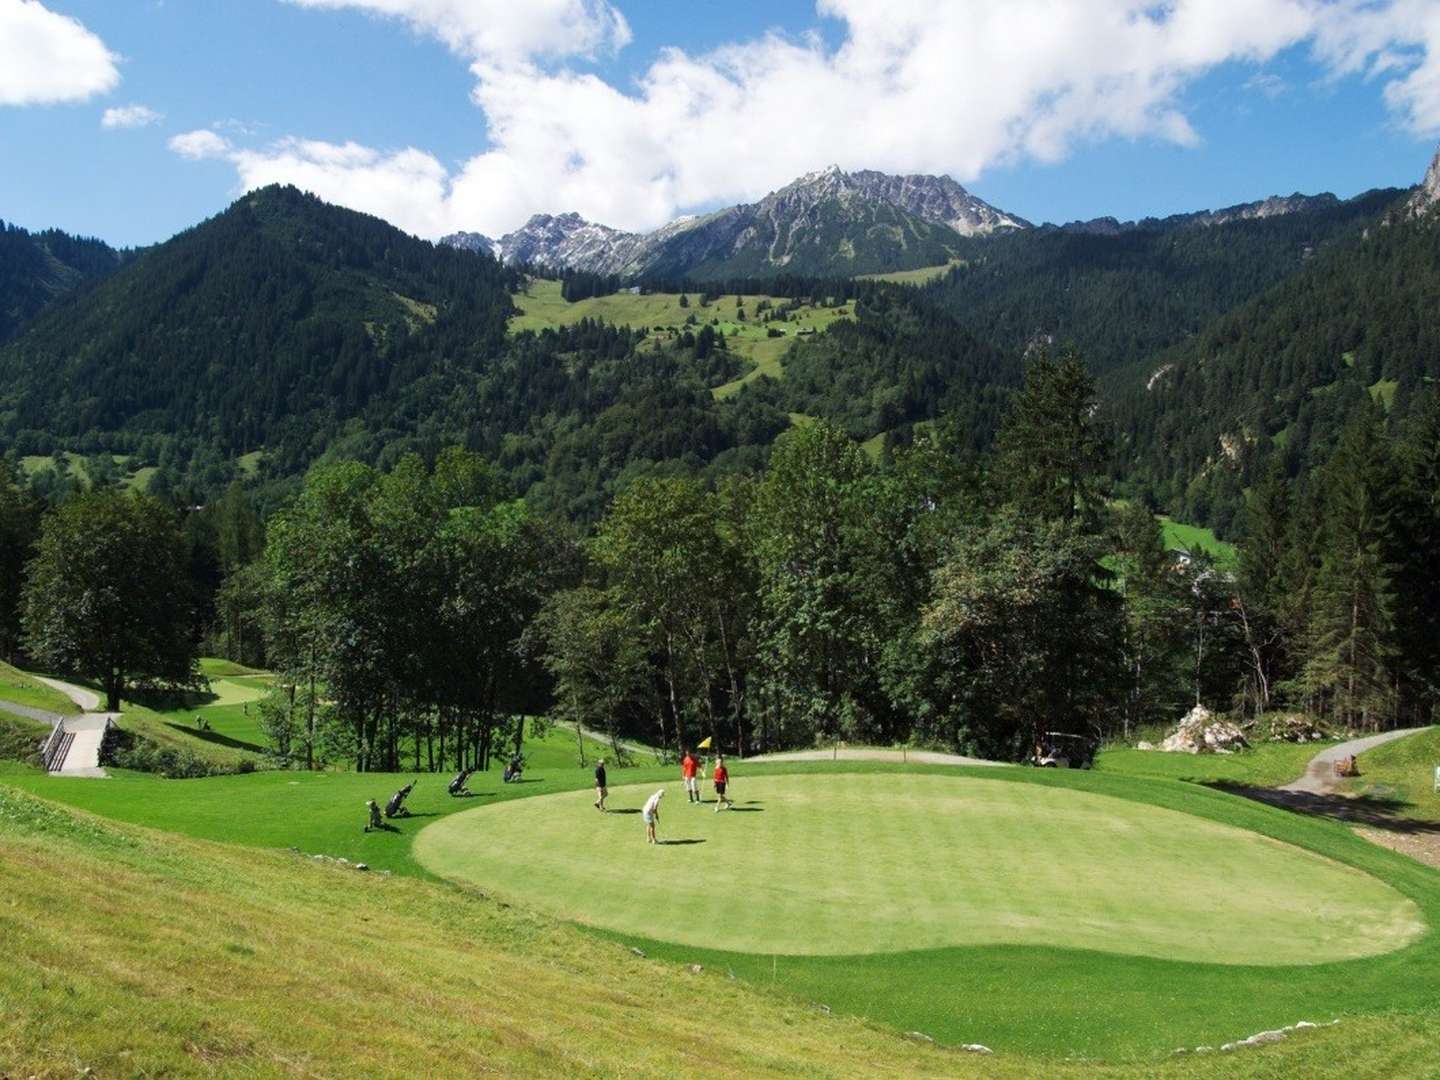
column 1202, row 732
column 1294, row 727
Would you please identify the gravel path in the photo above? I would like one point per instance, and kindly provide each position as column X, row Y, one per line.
column 1320, row 779
column 923, row 757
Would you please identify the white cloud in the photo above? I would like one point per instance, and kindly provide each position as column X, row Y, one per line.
column 504, row 30
column 129, row 116
column 913, row 86
column 200, row 145
column 47, row 58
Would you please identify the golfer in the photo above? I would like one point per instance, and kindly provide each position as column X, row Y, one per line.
column 689, row 768
column 721, row 780
column 651, row 814
column 601, row 791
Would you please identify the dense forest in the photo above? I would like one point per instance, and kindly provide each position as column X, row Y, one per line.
column 36, row 269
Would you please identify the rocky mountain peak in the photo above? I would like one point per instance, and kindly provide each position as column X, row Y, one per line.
column 1427, row 196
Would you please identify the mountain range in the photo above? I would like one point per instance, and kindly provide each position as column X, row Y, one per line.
column 309, row 331
column 830, row 222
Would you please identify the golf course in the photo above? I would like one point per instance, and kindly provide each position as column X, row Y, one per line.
column 830, row 865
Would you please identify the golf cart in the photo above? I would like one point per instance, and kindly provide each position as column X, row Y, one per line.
column 1060, row 750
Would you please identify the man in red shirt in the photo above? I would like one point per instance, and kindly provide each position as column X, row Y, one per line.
column 689, row 767
column 721, row 780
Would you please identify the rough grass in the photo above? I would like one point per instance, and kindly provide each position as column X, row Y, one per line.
column 1196, row 538
column 877, row 864
column 135, row 478
column 1034, row 999
column 20, row 737
column 542, row 307
column 914, row 277
column 19, row 688
column 1267, row 764
column 1403, row 770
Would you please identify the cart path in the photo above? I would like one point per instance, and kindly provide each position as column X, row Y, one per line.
column 87, row 731
column 1320, row 779
column 88, row 700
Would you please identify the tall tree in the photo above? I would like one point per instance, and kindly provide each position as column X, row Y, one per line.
column 19, row 528
column 106, row 595
column 1349, row 668
column 1051, row 452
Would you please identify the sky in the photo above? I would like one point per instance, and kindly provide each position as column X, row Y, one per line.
column 133, row 119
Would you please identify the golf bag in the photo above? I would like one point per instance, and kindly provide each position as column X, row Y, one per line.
column 514, row 769
column 396, row 806
column 457, row 786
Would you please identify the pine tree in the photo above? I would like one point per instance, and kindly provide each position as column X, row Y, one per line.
column 1350, row 665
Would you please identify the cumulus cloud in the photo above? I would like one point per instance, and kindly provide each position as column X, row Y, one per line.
column 129, row 116
column 912, row 86
column 200, row 145
column 47, row 58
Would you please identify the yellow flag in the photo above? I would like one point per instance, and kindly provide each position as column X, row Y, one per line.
column 704, row 743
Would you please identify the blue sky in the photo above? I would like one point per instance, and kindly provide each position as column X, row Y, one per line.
column 569, row 110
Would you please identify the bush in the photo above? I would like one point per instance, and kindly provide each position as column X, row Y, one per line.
column 125, row 750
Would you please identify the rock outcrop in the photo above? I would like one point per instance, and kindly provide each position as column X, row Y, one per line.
column 1202, row 732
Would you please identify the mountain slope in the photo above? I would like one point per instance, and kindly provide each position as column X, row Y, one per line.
column 38, row 268
column 830, row 222
column 279, row 308
column 1284, row 372
column 1123, row 294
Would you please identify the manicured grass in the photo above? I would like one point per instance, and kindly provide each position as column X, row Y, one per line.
column 875, row 864
column 1267, row 764
column 1403, row 770
column 1196, row 538
column 19, row 688
column 320, row 812
column 1036, row 998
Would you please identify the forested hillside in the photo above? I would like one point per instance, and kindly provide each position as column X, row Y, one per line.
column 276, row 320
column 1121, row 297
column 38, row 268
column 1279, row 378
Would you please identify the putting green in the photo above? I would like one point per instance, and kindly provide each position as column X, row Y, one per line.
column 865, row 863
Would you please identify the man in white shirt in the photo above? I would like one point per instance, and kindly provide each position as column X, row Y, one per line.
column 651, row 814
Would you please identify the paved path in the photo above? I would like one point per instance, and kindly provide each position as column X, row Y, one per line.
column 1320, row 778
column 44, row 716
column 88, row 730
column 922, row 757
column 86, row 699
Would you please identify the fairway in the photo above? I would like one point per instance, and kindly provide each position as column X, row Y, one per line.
column 864, row 863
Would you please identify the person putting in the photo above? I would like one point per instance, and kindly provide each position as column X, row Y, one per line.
column 651, row 813
column 721, row 779
column 601, row 791
column 689, row 772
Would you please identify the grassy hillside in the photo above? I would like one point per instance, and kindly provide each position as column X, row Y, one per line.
column 206, row 959
column 914, row 277
column 1403, row 770
column 1197, row 538
column 541, row 307
column 18, row 688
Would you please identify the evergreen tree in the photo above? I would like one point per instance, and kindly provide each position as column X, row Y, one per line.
column 1050, row 451
column 1350, row 666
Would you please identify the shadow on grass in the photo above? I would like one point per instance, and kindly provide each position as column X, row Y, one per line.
column 669, row 843
column 210, row 735
column 1387, row 814
column 746, row 810
column 629, row 811
column 524, row 780
column 382, row 827
column 475, row 795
